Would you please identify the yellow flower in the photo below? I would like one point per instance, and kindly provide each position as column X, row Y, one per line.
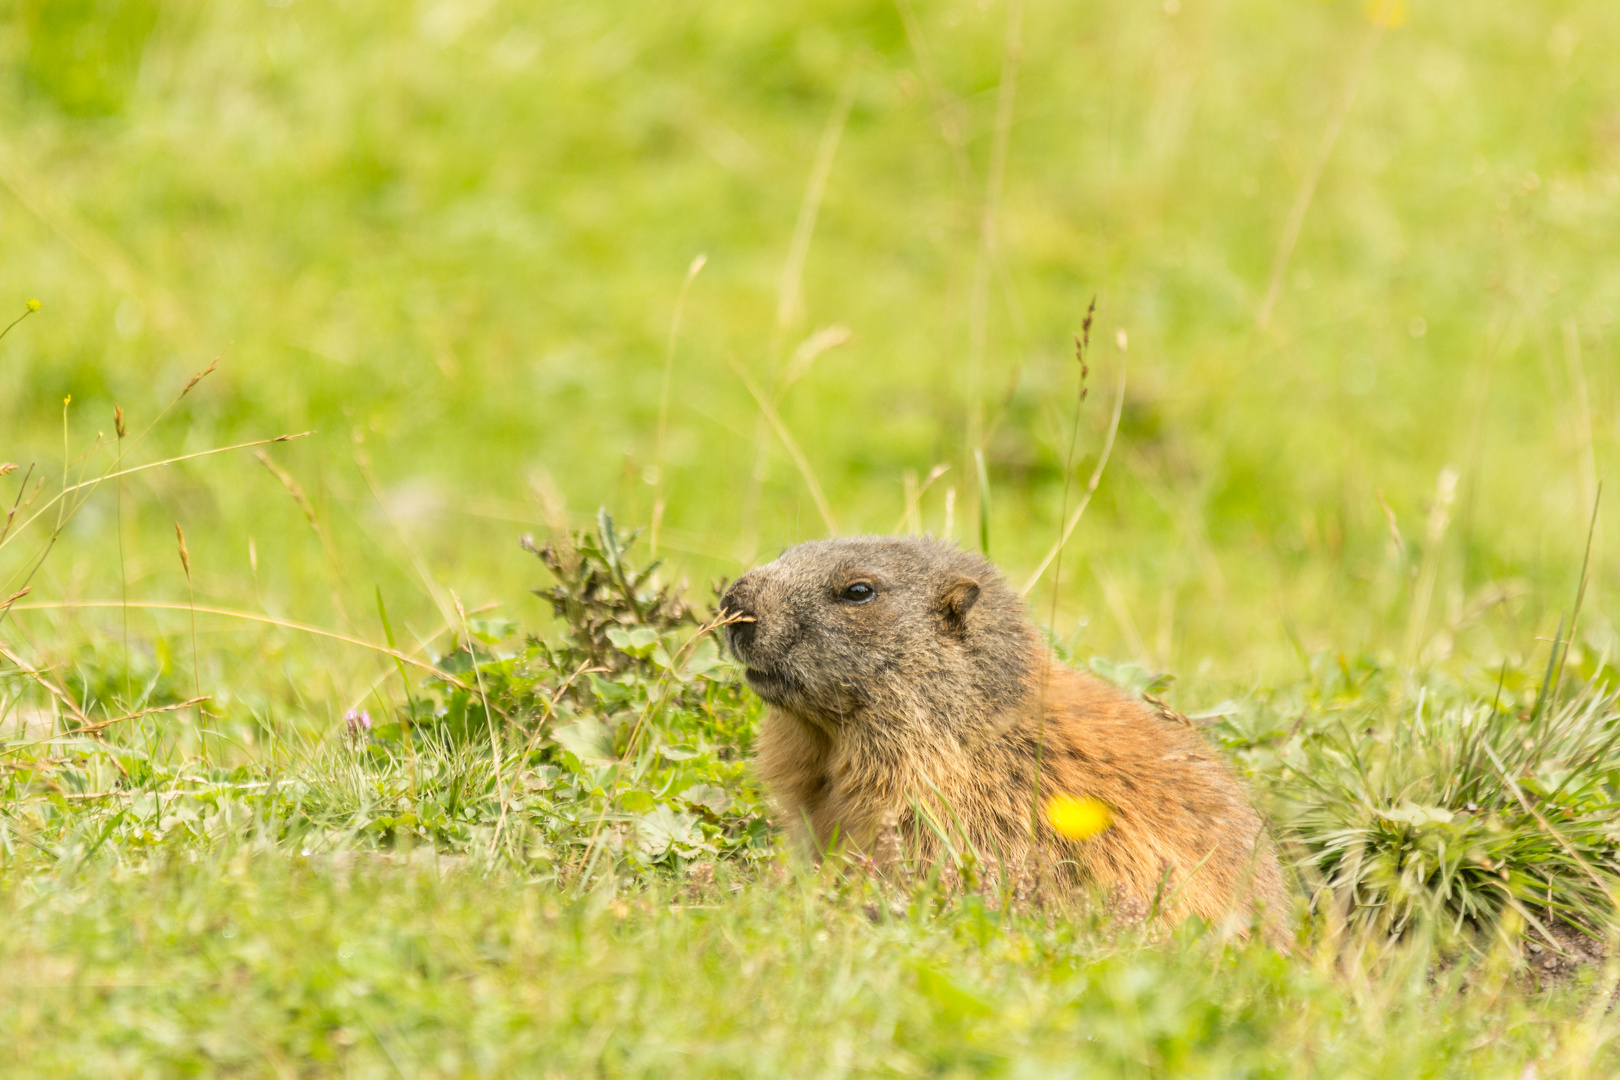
column 33, row 305
column 1078, row 819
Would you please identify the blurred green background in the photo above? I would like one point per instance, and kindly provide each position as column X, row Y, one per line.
column 451, row 238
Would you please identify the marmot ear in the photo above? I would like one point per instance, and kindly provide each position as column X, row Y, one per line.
column 955, row 603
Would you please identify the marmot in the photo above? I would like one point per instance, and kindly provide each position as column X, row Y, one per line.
column 906, row 679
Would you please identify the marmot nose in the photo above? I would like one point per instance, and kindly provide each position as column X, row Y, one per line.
column 738, row 604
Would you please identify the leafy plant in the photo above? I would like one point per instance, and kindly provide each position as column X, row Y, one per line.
column 613, row 610
column 626, row 742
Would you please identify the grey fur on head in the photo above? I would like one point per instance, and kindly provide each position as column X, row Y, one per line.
column 938, row 645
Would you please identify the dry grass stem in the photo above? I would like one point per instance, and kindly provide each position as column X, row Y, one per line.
column 101, row 725
column 50, row 687
column 423, row 641
column 334, row 564
column 1394, row 527
column 692, row 271
column 1581, row 410
column 1313, row 175
column 446, row 607
column 248, row 616
column 191, row 604
column 804, row 357
column 1445, row 496
column 96, row 482
column 914, row 493
column 18, row 503
column 769, row 412
column 200, row 376
column 1091, row 489
column 789, row 287
column 979, row 297
column 787, row 291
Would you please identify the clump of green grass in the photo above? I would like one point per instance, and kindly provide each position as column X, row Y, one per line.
column 1470, row 803
column 1455, row 810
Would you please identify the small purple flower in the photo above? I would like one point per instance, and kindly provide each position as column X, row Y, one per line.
column 359, row 722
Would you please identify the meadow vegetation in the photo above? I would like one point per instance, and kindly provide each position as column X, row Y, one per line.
column 404, row 377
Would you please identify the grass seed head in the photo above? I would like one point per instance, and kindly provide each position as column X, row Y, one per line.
column 185, row 556
column 200, row 376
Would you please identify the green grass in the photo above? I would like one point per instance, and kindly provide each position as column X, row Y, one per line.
column 257, row 964
column 450, row 239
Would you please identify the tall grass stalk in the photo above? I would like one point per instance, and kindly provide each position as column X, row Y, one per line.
column 1445, row 496
column 787, row 308
column 1082, row 343
column 1012, row 48
column 255, row 617
column 692, row 271
column 1091, row 486
column 984, row 501
column 1318, row 164
column 334, row 565
column 114, row 474
column 791, row 445
column 118, row 523
column 28, row 309
column 191, row 607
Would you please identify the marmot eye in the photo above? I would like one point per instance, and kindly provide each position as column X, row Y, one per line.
column 858, row 593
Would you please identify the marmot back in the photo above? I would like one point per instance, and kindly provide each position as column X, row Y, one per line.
column 904, row 676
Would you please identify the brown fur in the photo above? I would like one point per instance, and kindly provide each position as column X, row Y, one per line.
column 933, row 695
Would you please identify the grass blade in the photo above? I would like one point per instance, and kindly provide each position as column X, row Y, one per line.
column 984, row 502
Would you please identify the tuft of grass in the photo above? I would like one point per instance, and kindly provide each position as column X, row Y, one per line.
column 1423, row 802
column 1458, row 811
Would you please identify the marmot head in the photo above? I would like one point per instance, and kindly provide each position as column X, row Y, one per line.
column 897, row 632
